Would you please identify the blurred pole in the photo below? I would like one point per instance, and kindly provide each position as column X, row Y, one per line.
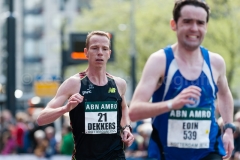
column 11, row 61
column 62, row 4
column 62, row 29
column 63, row 51
column 132, row 46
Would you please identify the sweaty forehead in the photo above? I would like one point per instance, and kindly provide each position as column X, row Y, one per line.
column 193, row 12
column 98, row 39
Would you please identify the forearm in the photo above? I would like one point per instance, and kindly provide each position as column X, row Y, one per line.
column 125, row 117
column 225, row 105
column 142, row 110
column 49, row 115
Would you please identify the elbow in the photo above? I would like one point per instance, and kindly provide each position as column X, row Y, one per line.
column 39, row 122
column 132, row 115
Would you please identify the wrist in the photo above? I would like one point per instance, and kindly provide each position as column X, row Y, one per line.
column 127, row 126
column 228, row 131
column 229, row 127
column 169, row 104
column 64, row 109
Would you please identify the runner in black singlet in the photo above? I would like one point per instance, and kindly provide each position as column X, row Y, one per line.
column 96, row 104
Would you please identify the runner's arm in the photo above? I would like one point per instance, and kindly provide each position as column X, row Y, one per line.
column 56, row 108
column 122, row 87
column 140, row 106
column 225, row 104
column 152, row 78
column 127, row 136
column 224, row 96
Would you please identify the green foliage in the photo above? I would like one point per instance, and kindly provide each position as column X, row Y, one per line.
column 223, row 37
column 107, row 15
column 153, row 31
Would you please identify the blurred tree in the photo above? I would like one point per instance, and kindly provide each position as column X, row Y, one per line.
column 223, row 38
column 152, row 28
column 153, row 31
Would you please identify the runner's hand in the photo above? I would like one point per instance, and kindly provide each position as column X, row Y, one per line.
column 228, row 143
column 186, row 96
column 127, row 137
column 73, row 101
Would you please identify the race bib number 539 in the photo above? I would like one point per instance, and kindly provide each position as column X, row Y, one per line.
column 189, row 128
column 101, row 117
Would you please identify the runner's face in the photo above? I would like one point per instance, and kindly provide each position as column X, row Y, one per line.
column 191, row 27
column 98, row 52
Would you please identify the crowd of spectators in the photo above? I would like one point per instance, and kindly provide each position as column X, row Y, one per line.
column 20, row 134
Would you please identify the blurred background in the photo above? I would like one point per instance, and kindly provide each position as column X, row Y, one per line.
column 41, row 44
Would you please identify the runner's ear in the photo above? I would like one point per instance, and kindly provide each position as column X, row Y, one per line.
column 173, row 25
column 86, row 52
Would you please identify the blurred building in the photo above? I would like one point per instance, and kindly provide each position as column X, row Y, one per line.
column 3, row 64
column 38, row 41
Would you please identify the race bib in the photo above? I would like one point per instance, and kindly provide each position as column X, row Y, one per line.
column 189, row 128
column 101, row 117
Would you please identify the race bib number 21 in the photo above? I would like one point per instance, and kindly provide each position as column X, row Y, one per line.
column 101, row 117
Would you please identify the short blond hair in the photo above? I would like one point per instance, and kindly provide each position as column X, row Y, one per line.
column 100, row 33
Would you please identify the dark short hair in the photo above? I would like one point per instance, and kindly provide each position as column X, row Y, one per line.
column 180, row 3
column 100, row 33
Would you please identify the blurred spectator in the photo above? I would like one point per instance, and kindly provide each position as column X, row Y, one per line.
column 7, row 129
column 220, row 123
column 42, row 143
column 28, row 148
column 6, row 117
column 67, row 144
column 20, row 131
column 144, row 130
column 50, row 135
column 236, row 151
column 9, row 144
column 237, row 116
column 138, row 150
column 6, row 121
column 33, row 127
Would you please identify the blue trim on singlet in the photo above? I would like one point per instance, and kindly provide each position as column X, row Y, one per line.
column 168, row 90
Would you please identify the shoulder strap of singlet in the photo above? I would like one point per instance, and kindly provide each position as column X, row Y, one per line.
column 82, row 75
column 84, row 78
column 109, row 75
column 206, row 58
column 111, row 80
column 169, row 57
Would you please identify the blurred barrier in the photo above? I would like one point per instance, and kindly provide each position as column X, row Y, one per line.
column 33, row 157
column 56, row 157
